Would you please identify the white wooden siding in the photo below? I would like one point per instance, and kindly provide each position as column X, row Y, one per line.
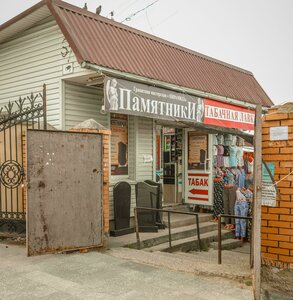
column 31, row 59
column 131, row 148
column 83, row 103
column 144, row 146
column 140, row 144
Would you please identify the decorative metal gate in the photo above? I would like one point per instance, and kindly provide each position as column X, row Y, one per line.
column 15, row 118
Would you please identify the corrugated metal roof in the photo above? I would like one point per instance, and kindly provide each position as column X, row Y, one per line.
column 107, row 43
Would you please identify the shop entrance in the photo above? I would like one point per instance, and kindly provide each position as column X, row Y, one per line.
column 169, row 163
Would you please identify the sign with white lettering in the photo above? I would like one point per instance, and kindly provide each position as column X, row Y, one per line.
column 228, row 115
column 197, row 188
column 133, row 98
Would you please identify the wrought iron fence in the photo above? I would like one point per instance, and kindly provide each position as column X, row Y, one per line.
column 15, row 118
column 220, row 235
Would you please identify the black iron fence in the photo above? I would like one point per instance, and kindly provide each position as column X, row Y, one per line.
column 220, row 234
column 15, row 118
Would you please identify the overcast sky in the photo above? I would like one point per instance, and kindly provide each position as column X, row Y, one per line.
column 256, row 35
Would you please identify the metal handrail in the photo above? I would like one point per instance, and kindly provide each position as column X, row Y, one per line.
column 169, row 223
column 220, row 233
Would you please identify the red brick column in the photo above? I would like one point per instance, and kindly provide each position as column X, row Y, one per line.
column 277, row 222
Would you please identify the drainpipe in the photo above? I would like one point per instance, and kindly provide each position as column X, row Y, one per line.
column 170, row 86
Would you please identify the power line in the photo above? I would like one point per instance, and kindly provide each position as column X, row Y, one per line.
column 124, row 6
column 137, row 12
column 166, row 19
column 148, row 20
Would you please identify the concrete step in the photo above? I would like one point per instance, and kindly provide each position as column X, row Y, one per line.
column 176, row 234
column 228, row 244
column 210, row 256
column 190, row 243
column 176, row 206
column 178, row 220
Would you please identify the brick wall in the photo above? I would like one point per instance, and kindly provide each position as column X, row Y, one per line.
column 277, row 222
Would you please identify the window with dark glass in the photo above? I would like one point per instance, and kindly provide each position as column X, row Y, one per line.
column 197, row 151
column 119, row 144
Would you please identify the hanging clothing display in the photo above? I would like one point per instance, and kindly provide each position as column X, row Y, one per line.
column 218, row 197
column 233, row 159
column 220, row 152
column 233, row 183
column 240, row 209
column 229, row 197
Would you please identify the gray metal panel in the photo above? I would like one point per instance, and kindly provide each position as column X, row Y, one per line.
column 64, row 204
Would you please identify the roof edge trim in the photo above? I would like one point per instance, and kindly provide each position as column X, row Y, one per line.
column 22, row 15
column 182, row 89
column 64, row 30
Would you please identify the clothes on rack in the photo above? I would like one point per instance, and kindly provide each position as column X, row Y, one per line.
column 229, row 197
column 218, row 197
column 220, row 139
column 233, row 173
column 241, row 210
column 233, row 159
column 220, row 152
column 239, row 157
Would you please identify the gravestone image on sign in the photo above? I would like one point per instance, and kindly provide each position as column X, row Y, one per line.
column 268, row 186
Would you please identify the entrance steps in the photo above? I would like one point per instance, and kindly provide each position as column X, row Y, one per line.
column 178, row 220
column 183, row 232
column 178, row 233
column 207, row 235
column 228, row 244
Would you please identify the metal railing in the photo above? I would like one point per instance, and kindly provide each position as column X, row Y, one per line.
column 220, row 233
column 136, row 209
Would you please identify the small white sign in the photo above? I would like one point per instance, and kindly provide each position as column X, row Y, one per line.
column 268, row 194
column 147, row 158
column 67, row 69
column 279, row 133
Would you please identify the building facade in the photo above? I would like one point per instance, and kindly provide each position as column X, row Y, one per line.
column 162, row 102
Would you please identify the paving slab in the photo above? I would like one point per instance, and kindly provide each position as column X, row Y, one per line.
column 234, row 266
column 97, row 275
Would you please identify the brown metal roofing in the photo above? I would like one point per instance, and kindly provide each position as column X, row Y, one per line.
column 98, row 40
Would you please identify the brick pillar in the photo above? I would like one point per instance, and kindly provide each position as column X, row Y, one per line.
column 277, row 222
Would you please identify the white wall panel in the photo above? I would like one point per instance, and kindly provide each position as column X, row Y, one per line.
column 144, row 146
column 33, row 58
column 83, row 103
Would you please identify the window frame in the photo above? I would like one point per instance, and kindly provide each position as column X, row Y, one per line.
column 115, row 178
